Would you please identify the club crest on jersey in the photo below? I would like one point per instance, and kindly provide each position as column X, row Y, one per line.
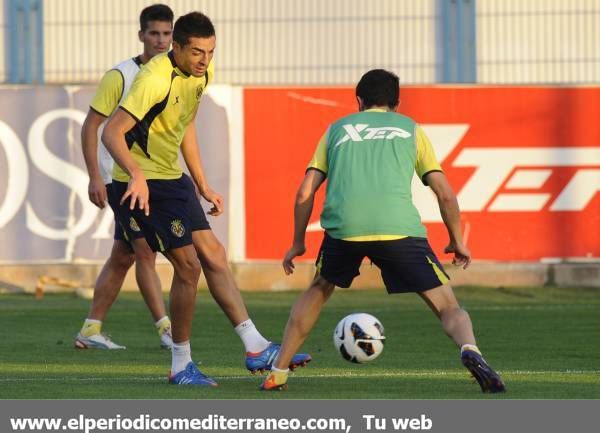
column 134, row 225
column 177, row 228
column 199, row 91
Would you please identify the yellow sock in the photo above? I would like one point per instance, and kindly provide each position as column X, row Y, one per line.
column 163, row 325
column 279, row 376
column 472, row 347
column 91, row 327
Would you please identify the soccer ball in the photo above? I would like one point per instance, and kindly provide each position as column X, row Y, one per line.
column 359, row 338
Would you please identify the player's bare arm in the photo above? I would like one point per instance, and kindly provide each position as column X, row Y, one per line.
column 193, row 161
column 113, row 137
column 305, row 198
column 89, row 147
column 451, row 216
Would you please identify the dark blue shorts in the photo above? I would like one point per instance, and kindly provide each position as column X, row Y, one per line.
column 407, row 265
column 120, row 234
column 175, row 212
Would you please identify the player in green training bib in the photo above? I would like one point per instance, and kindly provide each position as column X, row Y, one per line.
column 369, row 159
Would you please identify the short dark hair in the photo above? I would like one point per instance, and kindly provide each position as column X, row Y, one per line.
column 378, row 88
column 156, row 12
column 192, row 25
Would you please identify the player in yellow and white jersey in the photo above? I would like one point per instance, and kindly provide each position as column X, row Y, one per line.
column 156, row 29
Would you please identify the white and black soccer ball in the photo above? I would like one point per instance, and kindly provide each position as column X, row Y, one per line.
column 359, row 338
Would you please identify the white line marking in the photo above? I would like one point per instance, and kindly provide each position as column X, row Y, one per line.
column 349, row 375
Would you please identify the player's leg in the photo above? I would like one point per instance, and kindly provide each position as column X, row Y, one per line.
column 218, row 276
column 186, row 268
column 455, row 321
column 150, row 288
column 338, row 263
column 109, row 281
column 409, row 265
column 223, row 289
column 433, row 286
column 127, row 231
column 168, row 229
column 304, row 315
column 183, row 290
column 457, row 325
column 260, row 352
column 107, row 288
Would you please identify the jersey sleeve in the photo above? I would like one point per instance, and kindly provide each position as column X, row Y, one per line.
column 319, row 159
column 426, row 161
column 109, row 93
column 147, row 90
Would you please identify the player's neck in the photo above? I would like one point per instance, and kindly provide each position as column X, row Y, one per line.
column 377, row 108
column 144, row 58
column 177, row 61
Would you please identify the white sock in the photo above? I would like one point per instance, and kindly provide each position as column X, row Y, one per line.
column 253, row 340
column 181, row 356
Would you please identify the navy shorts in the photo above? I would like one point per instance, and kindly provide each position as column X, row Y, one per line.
column 120, row 234
column 175, row 212
column 407, row 265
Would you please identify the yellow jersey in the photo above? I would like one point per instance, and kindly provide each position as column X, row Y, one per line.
column 163, row 100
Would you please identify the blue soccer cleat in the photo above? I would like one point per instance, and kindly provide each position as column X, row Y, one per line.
column 191, row 375
column 488, row 379
column 262, row 361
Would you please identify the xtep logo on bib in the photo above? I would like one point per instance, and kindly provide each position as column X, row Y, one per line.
column 362, row 132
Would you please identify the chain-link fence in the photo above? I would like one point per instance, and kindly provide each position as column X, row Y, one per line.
column 316, row 42
column 538, row 41
column 259, row 42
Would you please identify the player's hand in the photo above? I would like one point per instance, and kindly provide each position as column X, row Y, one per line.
column 295, row 251
column 97, row 192
column 137, row 191
column 216, row 200
column 462, row 255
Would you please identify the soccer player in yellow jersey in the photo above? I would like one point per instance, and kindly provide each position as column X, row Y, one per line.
column 152, row 196
column 369, row 159
column 156, row 28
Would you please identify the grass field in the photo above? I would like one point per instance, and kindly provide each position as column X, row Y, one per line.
column 545, row 342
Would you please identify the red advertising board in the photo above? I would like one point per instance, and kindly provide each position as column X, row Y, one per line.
column 524, row 162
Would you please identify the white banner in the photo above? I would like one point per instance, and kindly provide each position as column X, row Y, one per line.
column 45, row 214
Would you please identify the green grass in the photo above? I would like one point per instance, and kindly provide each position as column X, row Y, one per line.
column 545, row 342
